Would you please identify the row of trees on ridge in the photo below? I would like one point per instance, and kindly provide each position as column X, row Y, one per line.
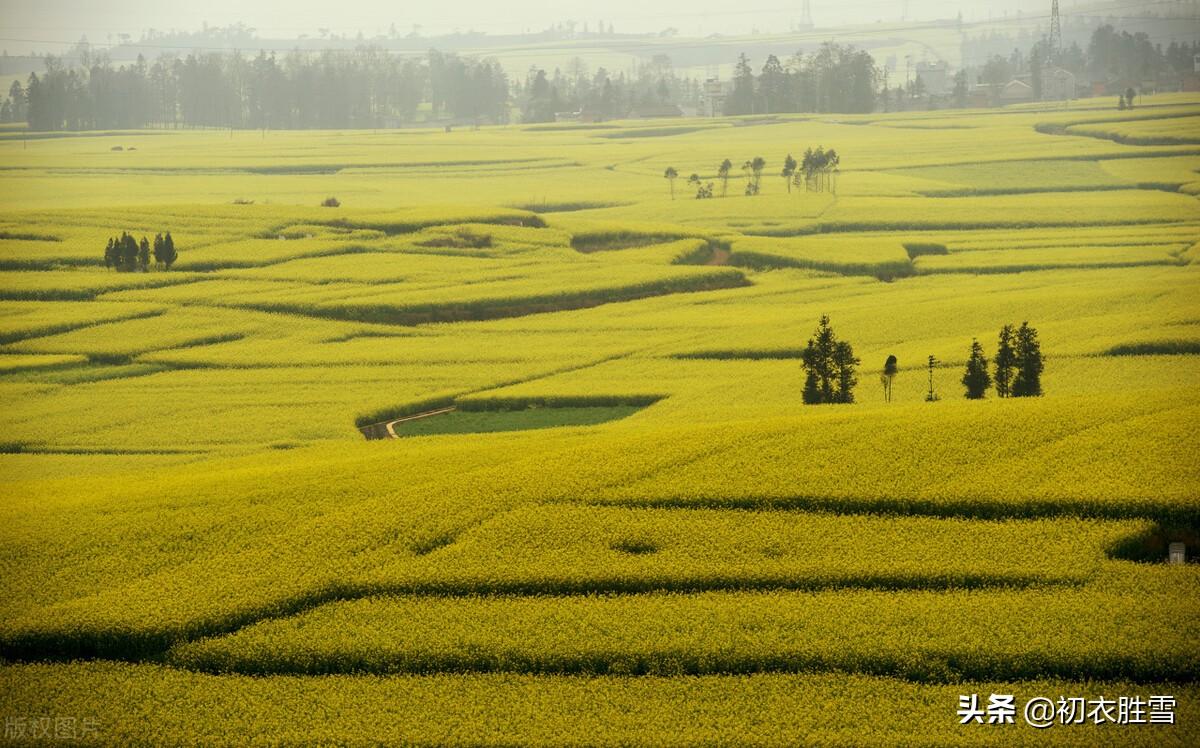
column 830, row 367
column 127, row 255
column 1018, row 365
column 816, row 172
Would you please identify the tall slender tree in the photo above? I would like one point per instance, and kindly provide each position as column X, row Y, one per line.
column 844, row 364
column 723, row 174
column 671, row 175
column 789, row 169
column 169, row 253
column 976, row 379
column 890, row 368
column 1028, row 380
column 1005, row 362
column 143, row 255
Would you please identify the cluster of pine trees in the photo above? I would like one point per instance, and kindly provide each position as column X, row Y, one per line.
column 835, row 78
column 1018, row 365
column 829, row 364
column 127, row 255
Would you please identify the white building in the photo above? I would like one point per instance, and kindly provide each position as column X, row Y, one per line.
column 934, row 76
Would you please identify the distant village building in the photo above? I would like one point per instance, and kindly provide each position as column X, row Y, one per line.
column 712, row 101
column 1058, row 84
column 1016, row 92
column 933, row 76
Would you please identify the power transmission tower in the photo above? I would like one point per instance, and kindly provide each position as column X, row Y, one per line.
column 806, row 17
column 1055, row 32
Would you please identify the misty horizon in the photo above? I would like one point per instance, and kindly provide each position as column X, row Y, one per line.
column 33, row 27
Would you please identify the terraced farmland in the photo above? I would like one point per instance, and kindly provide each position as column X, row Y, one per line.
column 615, row 521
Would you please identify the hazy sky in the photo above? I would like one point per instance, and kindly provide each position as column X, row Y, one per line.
column 64, row 20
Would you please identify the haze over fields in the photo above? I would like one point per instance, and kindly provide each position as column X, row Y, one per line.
column 596, row 389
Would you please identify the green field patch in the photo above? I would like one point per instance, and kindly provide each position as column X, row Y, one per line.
column 881, row 257
column 568, row 206
column 920, row 249
column 1156, row 348
column 744, row 354
column 601, row 240
column 486, row 421
column 655, row 132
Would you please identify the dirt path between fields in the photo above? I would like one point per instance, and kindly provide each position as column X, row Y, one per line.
column 387, row 429
column 720, row 256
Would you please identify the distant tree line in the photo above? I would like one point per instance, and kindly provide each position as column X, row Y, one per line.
column 835, row 78
column 1118, row 56
column 127, row 255
column 360, row 89
column 830, row 367
column 652, row 89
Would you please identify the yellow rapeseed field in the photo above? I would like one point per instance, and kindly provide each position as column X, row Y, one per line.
column 629, row 529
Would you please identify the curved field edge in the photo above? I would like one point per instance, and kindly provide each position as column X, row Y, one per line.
column 922, row 636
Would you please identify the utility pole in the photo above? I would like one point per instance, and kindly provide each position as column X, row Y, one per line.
column 1055, row 33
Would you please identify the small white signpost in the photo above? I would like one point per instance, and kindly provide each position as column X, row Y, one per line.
column 1176, row 553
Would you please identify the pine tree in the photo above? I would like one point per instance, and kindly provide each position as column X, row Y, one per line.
column 1028, row 381
column 812, row 394
column 158, row 250
column 976, row 379
column 844, row 362
column 143, row 255
column 1006, row 361
column 129, row 253
column 169, row 253
column 829, row 365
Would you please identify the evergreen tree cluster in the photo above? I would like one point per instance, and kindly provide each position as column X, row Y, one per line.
column 651, row 87
column 1018, row 365
column 362, row 88
column 835, row 78
column 829, row 366
column 126, row 254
